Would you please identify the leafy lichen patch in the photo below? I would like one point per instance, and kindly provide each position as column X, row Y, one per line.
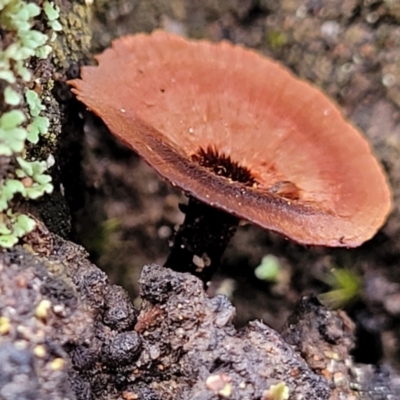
column 21, row 119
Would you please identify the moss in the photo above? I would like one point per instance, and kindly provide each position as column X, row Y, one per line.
column 276, row 40
column 346, row 287
column 75, row 37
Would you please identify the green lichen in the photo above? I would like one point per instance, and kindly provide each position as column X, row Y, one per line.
column 34, row 103
column 11, row 97
column 19, row 224
column 24, row 178
column 52, row 13
column 39, row 124
column 8, row 190
column 12, row 134
column 36, row 170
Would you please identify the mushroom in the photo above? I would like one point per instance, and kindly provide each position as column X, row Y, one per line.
column 243, row 138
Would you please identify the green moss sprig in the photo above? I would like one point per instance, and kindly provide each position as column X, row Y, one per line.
column 346, row 286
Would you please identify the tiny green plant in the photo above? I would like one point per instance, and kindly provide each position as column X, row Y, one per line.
column 346, row 287
column 276, row 272
column 269, row 269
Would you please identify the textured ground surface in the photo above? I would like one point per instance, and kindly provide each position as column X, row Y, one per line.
column 66, row 333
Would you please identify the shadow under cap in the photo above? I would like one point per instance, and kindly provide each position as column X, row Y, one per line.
column 313, row 176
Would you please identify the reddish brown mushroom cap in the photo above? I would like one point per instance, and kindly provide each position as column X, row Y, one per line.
column 314, row 178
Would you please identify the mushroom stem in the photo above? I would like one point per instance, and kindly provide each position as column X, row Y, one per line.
column 201, row 240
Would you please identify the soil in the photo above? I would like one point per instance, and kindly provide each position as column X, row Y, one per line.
column 67, row 333
column 70, row 333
